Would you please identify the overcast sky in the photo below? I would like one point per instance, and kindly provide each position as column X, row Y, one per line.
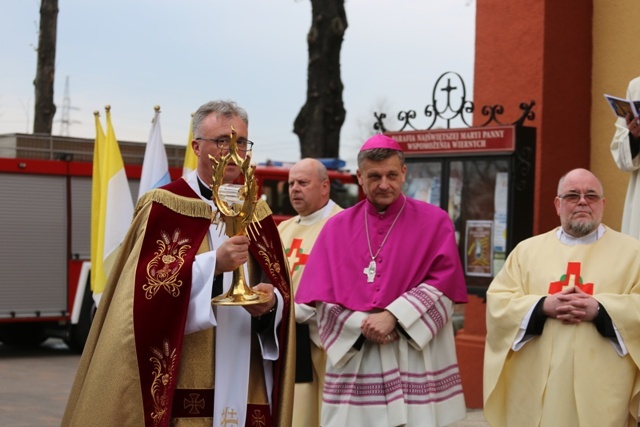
column 136, row 54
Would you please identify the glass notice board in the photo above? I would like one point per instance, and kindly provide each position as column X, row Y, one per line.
column 489, row 199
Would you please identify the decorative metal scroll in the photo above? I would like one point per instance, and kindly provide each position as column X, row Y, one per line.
column 449, row 102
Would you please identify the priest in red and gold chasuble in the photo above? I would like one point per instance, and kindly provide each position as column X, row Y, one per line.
column 160, row 260
column 156, row 355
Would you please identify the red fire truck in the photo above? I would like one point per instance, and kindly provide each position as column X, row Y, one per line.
column 45, row 217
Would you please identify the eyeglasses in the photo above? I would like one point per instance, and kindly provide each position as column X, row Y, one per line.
column 223, row 143
column 575, row 197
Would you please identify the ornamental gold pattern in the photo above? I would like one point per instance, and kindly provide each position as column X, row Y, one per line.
column 163, row 269
column 274, row 267
column 194, row 404
column 266, row 250
column 164, row 363
column 258, row 419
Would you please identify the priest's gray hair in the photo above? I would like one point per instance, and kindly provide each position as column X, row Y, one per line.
column 221, row 108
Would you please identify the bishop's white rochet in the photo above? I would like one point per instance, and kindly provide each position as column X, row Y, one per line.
column 370, row 271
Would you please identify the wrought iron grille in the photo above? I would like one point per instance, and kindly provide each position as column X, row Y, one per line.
column 453, row 104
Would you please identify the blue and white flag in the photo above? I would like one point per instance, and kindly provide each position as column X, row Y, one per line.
column 155, row 167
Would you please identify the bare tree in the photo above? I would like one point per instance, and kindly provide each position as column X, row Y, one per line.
column 319, row 122
column 45, row 109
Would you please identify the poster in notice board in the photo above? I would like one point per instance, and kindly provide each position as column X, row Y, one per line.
column 478, row 256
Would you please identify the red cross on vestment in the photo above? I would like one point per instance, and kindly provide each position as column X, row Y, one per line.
column 295, row 251
column 573, row 270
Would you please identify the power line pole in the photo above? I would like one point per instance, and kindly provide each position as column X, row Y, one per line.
column 66, row 121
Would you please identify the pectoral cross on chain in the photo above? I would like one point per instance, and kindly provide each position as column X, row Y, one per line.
column 370, row 271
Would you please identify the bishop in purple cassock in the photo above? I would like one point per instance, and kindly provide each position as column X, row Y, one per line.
column 384, row 276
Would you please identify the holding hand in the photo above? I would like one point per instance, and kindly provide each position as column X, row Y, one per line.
column 232, row 254
column 264, row 307
column 633, row 125
column 380, row 327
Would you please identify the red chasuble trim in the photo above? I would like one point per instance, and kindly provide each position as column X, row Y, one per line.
column 258, row 415
column 161, row 300
column 267, row 250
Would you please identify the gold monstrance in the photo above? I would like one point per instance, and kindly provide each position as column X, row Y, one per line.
column 236, row 206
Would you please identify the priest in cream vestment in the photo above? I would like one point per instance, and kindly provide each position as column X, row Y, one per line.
column 563, row 322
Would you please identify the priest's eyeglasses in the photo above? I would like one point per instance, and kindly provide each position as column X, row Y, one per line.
column 575, row 197
column 223, row 143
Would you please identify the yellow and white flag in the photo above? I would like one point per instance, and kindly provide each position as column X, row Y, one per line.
column 111, row 205
column 155, row 167
column 98, row 154
column 190, row 159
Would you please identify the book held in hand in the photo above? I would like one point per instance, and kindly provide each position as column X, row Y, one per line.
column 621, row 107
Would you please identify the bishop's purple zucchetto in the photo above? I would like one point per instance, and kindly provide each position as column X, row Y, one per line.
column 380, row 141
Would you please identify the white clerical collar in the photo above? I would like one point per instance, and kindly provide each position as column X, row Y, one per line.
column 317, row 216
column 584, row 240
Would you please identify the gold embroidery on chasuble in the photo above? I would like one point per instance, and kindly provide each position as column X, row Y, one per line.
column 266, row 248
column 272, row 265
column 194, row 404
column 164, row 362
column 164, row 267
column 258, row 418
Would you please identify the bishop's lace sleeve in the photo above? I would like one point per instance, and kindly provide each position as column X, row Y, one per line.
column 340, row 329
column 422, row 312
